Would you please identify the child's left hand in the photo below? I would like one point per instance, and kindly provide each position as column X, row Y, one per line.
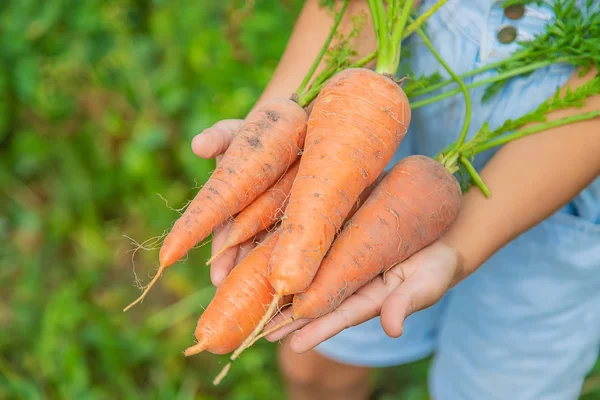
column 417, row 283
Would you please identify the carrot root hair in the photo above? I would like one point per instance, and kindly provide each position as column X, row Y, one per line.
column 250, row 339
column 223, row 249
column 195, row 349
column 387, row 270
column 145, row 292
column 273, row 329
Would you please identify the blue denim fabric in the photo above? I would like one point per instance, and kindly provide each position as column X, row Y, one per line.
column 526, row 325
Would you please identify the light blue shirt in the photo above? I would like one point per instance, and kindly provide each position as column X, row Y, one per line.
column 526, row 324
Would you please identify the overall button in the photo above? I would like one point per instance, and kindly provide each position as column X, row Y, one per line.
column 515, row 11
column 507, row 34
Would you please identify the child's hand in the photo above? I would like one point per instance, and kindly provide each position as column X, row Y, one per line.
column 413, row 285
column 212, row 143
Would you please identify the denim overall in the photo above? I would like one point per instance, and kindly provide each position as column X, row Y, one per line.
column 526, row 325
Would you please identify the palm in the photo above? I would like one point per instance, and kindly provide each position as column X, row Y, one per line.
column 413, row 285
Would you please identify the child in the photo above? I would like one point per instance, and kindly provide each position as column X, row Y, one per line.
column 508, row 299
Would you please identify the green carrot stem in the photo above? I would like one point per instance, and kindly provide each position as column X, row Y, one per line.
column 305, row 98
column 325, row 75
column 450, row 161
column 317, row 61
column 476, row 71
column 389, row 42
column 470, row 152
column 463, row 87
column 375, row 17
column 462, row 155
column 475, row 176
column 365, row 60
column 423, row 17
column 378, row 17
column 413, row 26
column 398, row 34
column 500, row 77
column 392, row 13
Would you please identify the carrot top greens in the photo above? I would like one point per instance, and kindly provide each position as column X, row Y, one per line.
column 572, row 38
column 337, row 60
column 389, row 30
column 487, row 138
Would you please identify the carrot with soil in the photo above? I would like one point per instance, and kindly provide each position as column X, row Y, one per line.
column 356, row 125
column 265, row 146
column 238, row 304
column 269, row 141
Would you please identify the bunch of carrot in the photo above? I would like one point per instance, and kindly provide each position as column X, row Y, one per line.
column 357, row 122
column 317, row 183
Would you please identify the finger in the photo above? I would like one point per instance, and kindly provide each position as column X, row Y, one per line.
column 286, row 330
column 431, row 279
column 261, row 236
column 416, row 283
column 222, row 265
column 216, row 139
column 356, row 309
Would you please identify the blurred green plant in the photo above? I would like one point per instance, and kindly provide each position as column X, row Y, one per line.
column 99, row 102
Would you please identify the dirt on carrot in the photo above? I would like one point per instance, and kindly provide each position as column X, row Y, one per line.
column 262, row 150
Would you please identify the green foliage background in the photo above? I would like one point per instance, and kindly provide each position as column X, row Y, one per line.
column 100, row 100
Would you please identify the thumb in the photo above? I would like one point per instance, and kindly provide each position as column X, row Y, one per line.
column 215, row 140
column 399, row 305
column 425, row 277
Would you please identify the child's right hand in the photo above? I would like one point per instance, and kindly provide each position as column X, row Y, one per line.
column 212, row 143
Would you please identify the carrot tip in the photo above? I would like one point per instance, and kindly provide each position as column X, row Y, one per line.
column 195, row 349
column 145, row 292
column 210, row 260
column 222, row 374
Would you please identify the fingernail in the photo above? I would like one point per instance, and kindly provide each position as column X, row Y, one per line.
column 217, row 279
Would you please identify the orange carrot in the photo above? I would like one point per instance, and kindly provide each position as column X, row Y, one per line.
column 264, row 147
column 356, row 124
column 412, row 207
column 262, row 213
column 267, row 144
column 238, row 304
